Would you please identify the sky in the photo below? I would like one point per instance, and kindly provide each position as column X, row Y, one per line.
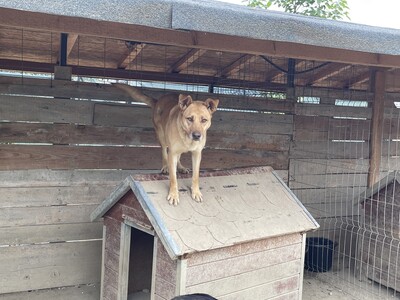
column 383, row 13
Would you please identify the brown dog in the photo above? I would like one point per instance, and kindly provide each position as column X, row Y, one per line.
column 181, row 126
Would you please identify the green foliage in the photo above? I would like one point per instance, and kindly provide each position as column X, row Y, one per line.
column 328, row 9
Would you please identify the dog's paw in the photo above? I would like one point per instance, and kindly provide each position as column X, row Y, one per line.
column 197, row 196
column 164, row 170
column 173, row 198
column 183, row 170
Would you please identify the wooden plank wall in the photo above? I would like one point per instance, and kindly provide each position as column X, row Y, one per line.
column 166, row 274
column 47, row 239
column 65, row 145
column 40, row 133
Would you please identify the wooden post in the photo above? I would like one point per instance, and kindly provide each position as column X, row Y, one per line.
column 103, row 263
column 375, row 148
column 124, row 251
column 302, row 259
column 181, row 277
column 154, row 268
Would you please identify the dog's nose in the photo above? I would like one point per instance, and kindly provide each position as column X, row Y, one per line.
column 196, row 136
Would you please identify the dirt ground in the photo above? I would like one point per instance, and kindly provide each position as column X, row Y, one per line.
column 316, row 289
column 320, row 286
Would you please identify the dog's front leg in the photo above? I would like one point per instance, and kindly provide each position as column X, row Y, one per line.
column 164, row 151
column 196, row 159
column 173, row 196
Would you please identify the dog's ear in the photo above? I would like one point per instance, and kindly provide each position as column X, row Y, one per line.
column 184, row 101
column 211, row 104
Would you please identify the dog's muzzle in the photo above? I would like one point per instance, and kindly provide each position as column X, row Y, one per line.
column 196, row 136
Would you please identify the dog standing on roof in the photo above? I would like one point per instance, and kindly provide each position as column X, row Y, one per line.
column 181, row 126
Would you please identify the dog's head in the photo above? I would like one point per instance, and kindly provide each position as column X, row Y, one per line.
column 196, row 116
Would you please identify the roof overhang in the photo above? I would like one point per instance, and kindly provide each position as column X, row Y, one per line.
column 211, row 25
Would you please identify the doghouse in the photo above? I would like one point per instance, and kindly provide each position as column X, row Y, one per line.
column 245, row 241
column 380, row 207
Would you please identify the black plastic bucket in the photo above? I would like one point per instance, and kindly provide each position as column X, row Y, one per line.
column 319, row 254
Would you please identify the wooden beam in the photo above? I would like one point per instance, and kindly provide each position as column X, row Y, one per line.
column 142, row 75
column 272, row 74
column 393, row 80
column 326, row 73
column 185, row 61
column 356, row 81
column 235, row 67
column 72, row 38
column 281, row 77
column 130, row 55
column 275, row 70
column 190, row 39
column 378, row 81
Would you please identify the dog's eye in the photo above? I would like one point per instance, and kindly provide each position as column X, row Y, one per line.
column 190, row 119
column 204, row 120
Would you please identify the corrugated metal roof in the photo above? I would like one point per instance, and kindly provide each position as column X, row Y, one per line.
column 224, row 18
column 236, row 209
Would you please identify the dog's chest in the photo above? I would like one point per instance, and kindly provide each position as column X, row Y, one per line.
column 190, row 145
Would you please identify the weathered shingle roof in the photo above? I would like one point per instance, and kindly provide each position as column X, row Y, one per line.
column 236, row 209
column 224, row 18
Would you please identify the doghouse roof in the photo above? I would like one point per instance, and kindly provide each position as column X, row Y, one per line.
column 239, row 206
column 381, row 184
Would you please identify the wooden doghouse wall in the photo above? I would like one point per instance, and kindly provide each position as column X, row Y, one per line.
column 269, row 268
column 62, row 152
column 166, row 268
column 166, row 275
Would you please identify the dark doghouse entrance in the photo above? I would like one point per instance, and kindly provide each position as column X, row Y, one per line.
column 140, row 265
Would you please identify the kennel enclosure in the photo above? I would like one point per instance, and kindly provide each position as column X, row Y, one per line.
column 315, row 99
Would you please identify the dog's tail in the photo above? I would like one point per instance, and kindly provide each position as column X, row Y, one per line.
column 136, row 94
